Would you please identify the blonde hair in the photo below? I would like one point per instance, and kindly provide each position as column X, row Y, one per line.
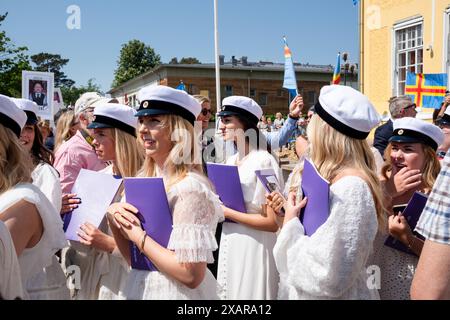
column 176, row 170
column 332, row 151
column 129, row 155
column 65, row 122
column 431, row 169
column 15, row 163
column 201, row 99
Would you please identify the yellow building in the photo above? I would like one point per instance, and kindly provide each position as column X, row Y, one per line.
column 399, row 36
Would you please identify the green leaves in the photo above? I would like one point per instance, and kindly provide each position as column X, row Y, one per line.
column 135, row 59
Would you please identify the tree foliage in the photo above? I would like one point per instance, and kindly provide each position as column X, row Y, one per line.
column 135, row 59
column 71, row 94
column 189, row 60
column 47, row 62
column 12, row 61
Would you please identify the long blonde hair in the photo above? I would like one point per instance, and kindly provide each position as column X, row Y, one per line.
column 129, row 155
column 431, row 169
column 15, row 163
column 65, row 122
column 185, row 155
column 332, row 151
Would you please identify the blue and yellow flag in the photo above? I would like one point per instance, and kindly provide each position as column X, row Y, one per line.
column 426, row 90
column 290, row 82
column 337, row 70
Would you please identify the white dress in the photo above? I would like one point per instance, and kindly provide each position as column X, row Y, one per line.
column 33, row 260
column 46, row 178
column 196, row 211
column 397, row 270
column 10, row 281
column 246, row 269
column 331, row 264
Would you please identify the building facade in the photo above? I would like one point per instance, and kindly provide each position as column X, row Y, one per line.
column 399, row 36
column 261, row 81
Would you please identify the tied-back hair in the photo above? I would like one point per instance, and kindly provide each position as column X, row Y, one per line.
column 431, row 169
column 260, row 143
column 332, row 151
column 129, row 155
column 185, row 155
column 15, row 163
column 65, row 121
column 39, row 153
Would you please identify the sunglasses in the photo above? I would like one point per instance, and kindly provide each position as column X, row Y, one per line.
column 410, row 106
column 205, row 112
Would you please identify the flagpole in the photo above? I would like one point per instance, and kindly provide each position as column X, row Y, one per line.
column 216, row 49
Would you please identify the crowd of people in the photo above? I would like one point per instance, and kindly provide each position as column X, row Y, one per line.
column 214, row 251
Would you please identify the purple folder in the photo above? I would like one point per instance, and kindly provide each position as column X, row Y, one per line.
column 96, row 191
column 317, row 189
column 412, row 214
column 148, row 195
column 225, row 179
column 269, row 180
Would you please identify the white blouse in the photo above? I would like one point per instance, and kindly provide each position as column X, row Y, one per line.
column 331, row 264
column 46, row 178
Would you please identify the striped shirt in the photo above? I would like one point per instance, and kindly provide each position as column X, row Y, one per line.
column 434, row 223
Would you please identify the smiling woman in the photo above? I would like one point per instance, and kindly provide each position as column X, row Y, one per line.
column 411, row 165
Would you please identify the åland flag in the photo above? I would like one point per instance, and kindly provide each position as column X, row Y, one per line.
column 337, row 70
column 426, row 90
column 290, row 81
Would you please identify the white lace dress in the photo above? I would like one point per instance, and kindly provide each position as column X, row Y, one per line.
column 196, row 212
column 397, row 270
column 46, row 178
column 246, row 269
column 331, row 264
column 10, row 282
column 33, row 260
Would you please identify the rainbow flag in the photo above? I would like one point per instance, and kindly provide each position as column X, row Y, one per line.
column 337, row 70
column 426, row 90
column 290, row 81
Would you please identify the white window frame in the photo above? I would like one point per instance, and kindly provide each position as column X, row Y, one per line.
column 446, row 42
column 408, row 23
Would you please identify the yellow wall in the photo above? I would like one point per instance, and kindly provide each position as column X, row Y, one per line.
column 377, row 54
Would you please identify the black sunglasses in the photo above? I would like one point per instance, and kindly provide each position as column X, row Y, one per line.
column 410, row 106
column 205, row 112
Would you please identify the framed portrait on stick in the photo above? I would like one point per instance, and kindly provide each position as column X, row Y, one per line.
column 38, row 87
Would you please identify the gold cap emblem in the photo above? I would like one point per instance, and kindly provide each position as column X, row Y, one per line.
column 400, row 132
column 145, row 104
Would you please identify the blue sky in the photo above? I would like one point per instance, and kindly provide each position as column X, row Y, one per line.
column 316, row 30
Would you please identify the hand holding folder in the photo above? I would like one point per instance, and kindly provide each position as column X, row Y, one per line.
column 148, row 195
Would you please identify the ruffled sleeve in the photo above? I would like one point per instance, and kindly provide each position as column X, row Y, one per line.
column 196, row 213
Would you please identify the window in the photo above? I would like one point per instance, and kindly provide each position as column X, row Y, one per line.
column 228, row 91
column 408, row 54
column 312, row 97
column 279, row 93
column 262, row 99
column 252, row 92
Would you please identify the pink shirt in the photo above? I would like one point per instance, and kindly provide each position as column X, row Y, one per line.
column 72, row 156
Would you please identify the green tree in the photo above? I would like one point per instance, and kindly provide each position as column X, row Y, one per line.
column 12, row 61
column 135, row 59
column 71, row 94
column 189, row 60
column 47, row 62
